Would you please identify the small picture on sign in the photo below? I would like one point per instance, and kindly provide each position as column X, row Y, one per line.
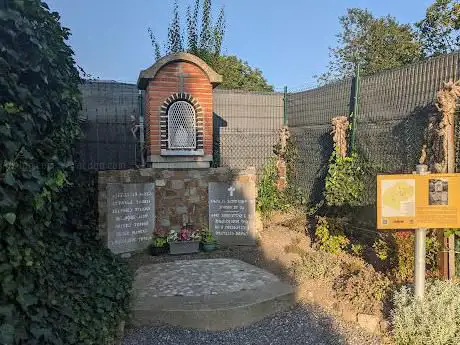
column 439, row 192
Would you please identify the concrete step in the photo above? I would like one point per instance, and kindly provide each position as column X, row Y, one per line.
column 218, row 311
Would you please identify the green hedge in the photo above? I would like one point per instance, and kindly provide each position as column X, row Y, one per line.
column 58, row 285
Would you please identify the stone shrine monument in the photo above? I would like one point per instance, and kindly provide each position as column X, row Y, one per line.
column 177, row 186
column 178, row 111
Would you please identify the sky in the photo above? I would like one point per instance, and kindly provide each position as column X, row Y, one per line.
column 288, row 40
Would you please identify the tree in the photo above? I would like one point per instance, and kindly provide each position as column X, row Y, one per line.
column 439, row 31
column 204, row 39
column 375, row 44
column 239, row 75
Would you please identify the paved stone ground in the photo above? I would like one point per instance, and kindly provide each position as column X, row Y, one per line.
column 300, row 325
column 199, row 278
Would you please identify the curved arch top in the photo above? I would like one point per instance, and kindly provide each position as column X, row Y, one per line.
column 150, row 73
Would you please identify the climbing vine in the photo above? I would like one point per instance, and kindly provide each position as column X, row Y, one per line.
column 58, row 286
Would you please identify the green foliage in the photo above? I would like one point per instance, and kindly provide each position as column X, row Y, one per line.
column 439, row 31
column 436, row 320
column 269, row 198
column 207, row 237
column 362, row 286
column 238, row 74
column 174, row 32
column 404, row 261
column 381, row 249
column 330, row 235
column 159, row 242
column 344, row 181
column 357, row 249
column 58, row 286
column 399, row 251
column 375, row 44
column 204, row 39
column 450, row 232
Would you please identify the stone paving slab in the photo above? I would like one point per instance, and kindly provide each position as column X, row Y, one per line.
column 211, row 294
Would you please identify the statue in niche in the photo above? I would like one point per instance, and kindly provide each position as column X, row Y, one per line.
column 181, row 137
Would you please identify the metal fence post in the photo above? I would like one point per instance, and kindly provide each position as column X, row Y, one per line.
column 420, row 249
column 285, row 119
column 141, row 128
column 355, row 108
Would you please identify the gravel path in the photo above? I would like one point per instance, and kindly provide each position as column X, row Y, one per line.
column 300, row 325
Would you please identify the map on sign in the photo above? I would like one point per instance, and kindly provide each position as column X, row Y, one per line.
column 398, row 198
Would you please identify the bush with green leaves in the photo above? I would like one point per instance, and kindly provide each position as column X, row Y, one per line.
column 58, row 286
column 435, row 320
column 330, row 235
column 344, row 181
column 269, row 198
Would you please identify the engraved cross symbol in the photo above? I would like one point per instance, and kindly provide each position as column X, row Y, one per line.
column 231, row 190
column 182, row 77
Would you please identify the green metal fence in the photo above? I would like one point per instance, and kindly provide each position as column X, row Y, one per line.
column 394, row 107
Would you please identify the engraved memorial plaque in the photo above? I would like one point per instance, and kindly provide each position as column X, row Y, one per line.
column 130, row 216
column 232, row 209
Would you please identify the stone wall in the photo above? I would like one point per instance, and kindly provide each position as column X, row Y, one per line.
column 180, row 195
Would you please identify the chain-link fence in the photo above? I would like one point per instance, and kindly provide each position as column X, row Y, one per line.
column 309, row 116
column 110, row 114
column 246, row 127
column 394, row 110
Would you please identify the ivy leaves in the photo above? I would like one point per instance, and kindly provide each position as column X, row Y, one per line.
column 58, row 286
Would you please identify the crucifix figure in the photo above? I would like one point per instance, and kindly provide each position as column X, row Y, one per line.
column 231, row 190
column 182, row 77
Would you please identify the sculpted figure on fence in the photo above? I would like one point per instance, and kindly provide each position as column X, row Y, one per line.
column 281, row 163
column 340, row 126
column 435, row 152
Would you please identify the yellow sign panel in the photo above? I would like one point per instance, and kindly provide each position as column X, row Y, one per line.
column 418, row 201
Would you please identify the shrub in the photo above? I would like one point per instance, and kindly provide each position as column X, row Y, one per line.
column 58, row 285
column 344, row 181
column 330, row 235
column 317, row 265
column 357, row 249
column 381, row 249
column 403, row 258
column 362, row 286
column 436, row 320
column 268, row 196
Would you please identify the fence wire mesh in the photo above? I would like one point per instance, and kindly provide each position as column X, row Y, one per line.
column 110, row 113
column 394, row 110
column 309, row 116
column 246, row 127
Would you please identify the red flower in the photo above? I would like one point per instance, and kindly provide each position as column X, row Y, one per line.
column 184, row 234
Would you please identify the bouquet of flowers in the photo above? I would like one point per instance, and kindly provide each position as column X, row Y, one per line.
column 186, row 233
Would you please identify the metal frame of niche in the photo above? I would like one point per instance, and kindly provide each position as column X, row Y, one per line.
column 166, row 149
